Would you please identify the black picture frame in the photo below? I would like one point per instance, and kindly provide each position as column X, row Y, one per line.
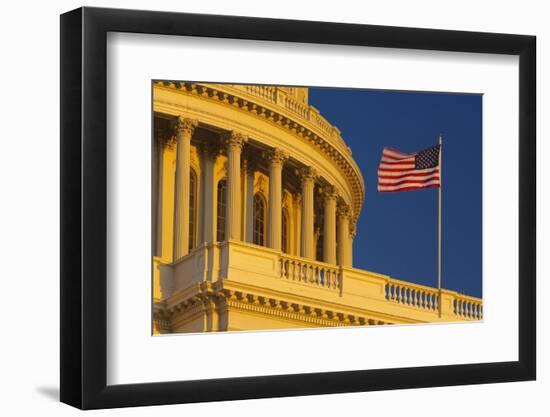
column 84, row 207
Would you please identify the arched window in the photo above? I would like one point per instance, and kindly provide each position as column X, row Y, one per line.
column 285, row 231
column 259, row 220
column 220, row 215
column 192, row 208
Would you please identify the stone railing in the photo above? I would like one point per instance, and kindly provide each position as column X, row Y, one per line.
column 427, row 298
column 304, row 111
column 468, row 307
column 412, row 295
column 314, row 273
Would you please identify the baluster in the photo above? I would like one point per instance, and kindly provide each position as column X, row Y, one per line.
column 317, row 275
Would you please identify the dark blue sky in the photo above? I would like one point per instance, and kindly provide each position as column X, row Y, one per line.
column 397, row 232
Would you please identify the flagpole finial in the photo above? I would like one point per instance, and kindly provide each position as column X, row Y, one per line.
column 440, row 138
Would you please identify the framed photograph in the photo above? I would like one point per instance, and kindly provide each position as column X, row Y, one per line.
column 257, row 208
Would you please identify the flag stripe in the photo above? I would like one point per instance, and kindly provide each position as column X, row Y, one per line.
column 398, row 161
column 384, row 165
column 396, row 158
column 384, row 189
column 410, row 184
column 402, row 172
column 394, row 152
column 409, row 179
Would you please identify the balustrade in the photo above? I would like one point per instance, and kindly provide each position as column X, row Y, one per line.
column 280, row 98
column 468, row 308
column 427, row 298
column 412, row 295
column 309, row 272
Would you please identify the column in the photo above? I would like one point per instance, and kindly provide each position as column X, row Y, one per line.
column 250, row 202
column 329, row 227
column 235, row 142
column 244, row 192
column 184, row 131
column 308, row 176
column 297, row 224
column 276, row 159
column 343, row 235
column 167, row 202
column 209, row 153
column 349, row 248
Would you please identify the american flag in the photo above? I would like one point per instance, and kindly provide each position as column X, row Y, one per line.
column 400, row 171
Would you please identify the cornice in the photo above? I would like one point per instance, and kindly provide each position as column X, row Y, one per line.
column 206, row 296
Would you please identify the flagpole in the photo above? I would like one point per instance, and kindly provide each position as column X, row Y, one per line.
column 439, row 223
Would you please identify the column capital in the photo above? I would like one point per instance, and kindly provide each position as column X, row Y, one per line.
column 277, row 156
column 307, row 174
column 185, row 126
column 234, row 140
column 329, row 193
column 297, row 198
column 343, row 211
column 352, row 230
